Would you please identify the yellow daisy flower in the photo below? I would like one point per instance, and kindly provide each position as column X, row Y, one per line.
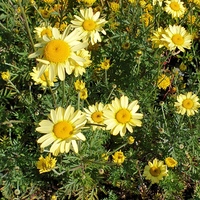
column 155, row 171
column 58, row 51
column 177, row 37
column 187, row 104
column 118, row 157
column 46, row 164
column 170, row 162
column 94, row 115
column 79, row 68
column 163, row 82
column 43, row 79
column 89, row 25
column 43, row 30
column 62, row 129
column 175, row 8
column 121, row 116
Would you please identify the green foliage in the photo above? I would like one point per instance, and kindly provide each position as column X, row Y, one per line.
column 135, row 67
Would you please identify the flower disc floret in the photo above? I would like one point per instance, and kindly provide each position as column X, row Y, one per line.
column 57, row 51
column 121, row 116
column 62, row 129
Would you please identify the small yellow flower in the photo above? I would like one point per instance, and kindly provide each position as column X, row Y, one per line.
column 142, row 3
column 191, row 19
column 146, row 18
column 105, row 156
column 5, row 76
column 118, row 157
column 88, row 2
column 170, row 162
column 83, row 94
column 79, row 85
column 46, row 164
column 105, row 64
column 183, row 67
column 114, row 6
column 131, row 140
column 163, row 82
column 54, row 197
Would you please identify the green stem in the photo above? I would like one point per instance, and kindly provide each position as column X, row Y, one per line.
column 78, row 102
column 51, row 91
column 114, row 86
column 118, row 148
column 63, row 95
column 106, row 78
column 163, row 113
column 26, row 24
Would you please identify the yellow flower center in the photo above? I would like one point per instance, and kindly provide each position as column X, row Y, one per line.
column 123, row 116
column 47, row 32
column 89, row 25
column 177, row 39
column 155, row 171
column 175, row 6
column 187, row 103
column 63, row 130
column 97, row 117
column 57, row 51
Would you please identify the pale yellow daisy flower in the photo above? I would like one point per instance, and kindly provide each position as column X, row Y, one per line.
column 89, row 25
column 121, row 116
column 94, row 115
column 157, row 36
column 177, row 37
column 187, row 104
column 43, row 30
column 58, row 52
column 63, row 129
column 80, row 68
column 43, row 79
column 175, row 8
